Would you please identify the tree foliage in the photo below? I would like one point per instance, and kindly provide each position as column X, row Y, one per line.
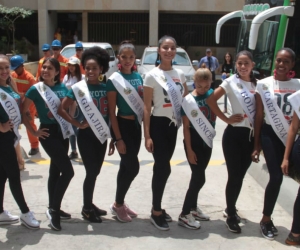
column 8, row 16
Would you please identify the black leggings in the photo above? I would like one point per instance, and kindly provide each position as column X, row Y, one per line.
column 273, row 150
column 203, row 153
column 163, row 133
column 9, row 169
column 129, row 166
column 295, row 158
column 92, row 152
column 61, row 170
column 237, row 152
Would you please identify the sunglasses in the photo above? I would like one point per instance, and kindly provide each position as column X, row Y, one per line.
column 79, row 49
column 55, row 48
column 46, row 50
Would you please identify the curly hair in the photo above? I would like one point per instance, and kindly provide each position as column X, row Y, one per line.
column 99, row 55
column 55, row 63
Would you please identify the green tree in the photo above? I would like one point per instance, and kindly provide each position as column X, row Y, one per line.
column 8, row 16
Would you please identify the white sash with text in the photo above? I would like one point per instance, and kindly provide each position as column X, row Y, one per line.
column 90, row 111
column 129, row 93
column 294, row 100
column 273, row 112
column 173, row 91
column 53, row 102
column 198, row 120
column 11, row 107
column 244, row 96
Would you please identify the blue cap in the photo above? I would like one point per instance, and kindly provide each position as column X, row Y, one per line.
column 78, row 45
column 16, row 61
column 46, row 46
column 56, row 43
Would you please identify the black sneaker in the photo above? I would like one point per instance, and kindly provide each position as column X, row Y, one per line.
column 238, row 218
column 54, row 218
column 274, row 229
column 90, row 215
column 159, row 222
column 33, row 151
column 233, row 225
column 266, row 230
column 63, row 215
column 98, row 211
column 168, row 218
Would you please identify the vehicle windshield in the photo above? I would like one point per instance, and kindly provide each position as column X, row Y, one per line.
column 264, row 51
column 181, row 58
column 68, row 52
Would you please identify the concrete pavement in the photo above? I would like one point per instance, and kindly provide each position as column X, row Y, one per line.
column 140, row 234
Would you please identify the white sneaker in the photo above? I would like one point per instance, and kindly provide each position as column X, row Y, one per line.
column 6, row 218
column 188, row 221
column 199, row 215
column 29, row 221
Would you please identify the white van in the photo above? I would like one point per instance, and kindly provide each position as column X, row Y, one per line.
column 69, row 51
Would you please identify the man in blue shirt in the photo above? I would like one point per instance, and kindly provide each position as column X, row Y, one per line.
column 211, row 63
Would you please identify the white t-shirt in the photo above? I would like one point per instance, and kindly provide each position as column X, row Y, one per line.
column 235, row 104
column 162, row 105
column 70, row 81
column 282, row 89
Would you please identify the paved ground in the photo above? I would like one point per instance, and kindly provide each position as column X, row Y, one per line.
column 140, row 234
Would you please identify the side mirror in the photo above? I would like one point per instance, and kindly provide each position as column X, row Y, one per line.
column 137, row 61
column 195, row 63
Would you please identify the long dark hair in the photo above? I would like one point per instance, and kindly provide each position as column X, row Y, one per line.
column 231, row 58
column 77, row 73
column 8, row 80
column 127, row 45
column 55, row 63
column 160, row 41
column 250, row 56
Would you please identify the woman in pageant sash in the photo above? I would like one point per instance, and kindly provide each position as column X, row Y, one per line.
column 164, row 87
column 198, row 131
column 237, row 141
column 273, row 115
column 292, row 158
column 93, row 132
column 10, row 119
column 53, row 135
column 125, row 93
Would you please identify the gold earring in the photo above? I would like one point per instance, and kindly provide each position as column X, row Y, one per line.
column 100, row 78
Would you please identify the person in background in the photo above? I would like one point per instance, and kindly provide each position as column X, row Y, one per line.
column 75, row 37
column 47, row 53
column 227, row 70
column 79, row 51
column 24, row 80
column 56, row 48
column 73, row 76
column 211, row 63
column 57, row 35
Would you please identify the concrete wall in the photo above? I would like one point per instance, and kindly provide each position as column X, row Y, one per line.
column 131, row 5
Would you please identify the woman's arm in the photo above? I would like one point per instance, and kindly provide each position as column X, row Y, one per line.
column 112, row 103
column 289, row 143
column 26, row 120
column 63, row 112
column 212, row 103
column 258, row 122
column 191, row 156
column 186, row 90
column 148, row 95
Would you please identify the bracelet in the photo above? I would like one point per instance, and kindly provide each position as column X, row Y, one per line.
column 115, row 142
